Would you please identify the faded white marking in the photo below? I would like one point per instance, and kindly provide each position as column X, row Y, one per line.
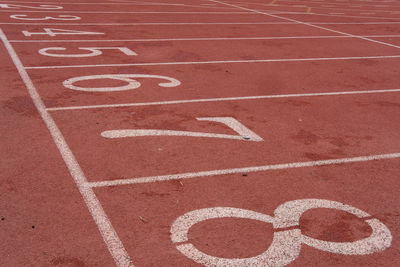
column 128, row 78
column 283, row 166
column 104, row 225
column 244, row 133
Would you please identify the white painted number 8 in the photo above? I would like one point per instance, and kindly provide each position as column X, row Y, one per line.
column 286, row 243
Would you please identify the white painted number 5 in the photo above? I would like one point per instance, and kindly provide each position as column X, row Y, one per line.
column 94, row 51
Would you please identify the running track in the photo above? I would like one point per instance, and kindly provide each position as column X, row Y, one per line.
column 200, row 132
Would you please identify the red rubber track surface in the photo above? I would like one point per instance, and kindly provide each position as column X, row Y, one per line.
column 248, row 105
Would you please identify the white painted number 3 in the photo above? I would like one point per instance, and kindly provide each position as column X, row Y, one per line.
column 286, row 244
column 94, row 51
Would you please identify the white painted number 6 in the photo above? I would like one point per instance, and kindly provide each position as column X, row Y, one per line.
column 128, row 78
column 286, row 244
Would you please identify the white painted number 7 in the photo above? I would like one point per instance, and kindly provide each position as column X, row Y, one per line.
column 244, row 133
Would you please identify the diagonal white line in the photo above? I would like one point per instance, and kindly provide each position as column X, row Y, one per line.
column 161, row 178
column 305, row 23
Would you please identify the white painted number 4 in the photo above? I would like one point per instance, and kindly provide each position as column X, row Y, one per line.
column 55, row 32
column 59, row 17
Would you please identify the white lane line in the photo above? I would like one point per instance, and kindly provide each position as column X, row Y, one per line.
column 158, row 23
column 123, row 3
column 172, row 102
column 355, row 23
column 198, row 23
column 189, row 175
column 110, row 237
column 208, row 62
column 195, row 39
column 306, row 23
column 348, row 16
column 202, row 13
column 101, row 3
column 126, row 12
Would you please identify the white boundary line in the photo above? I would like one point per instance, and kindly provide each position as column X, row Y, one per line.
column 199, row 23
column 305, row 23
column 110, row 237
column 202, row 13
column 164, row 23
column 189, row 175
column 125, row 12
column 121, row 3
column 171, row 102
column 199, row 39
column 304, row 4
column 340, row 16
column 209, row 62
